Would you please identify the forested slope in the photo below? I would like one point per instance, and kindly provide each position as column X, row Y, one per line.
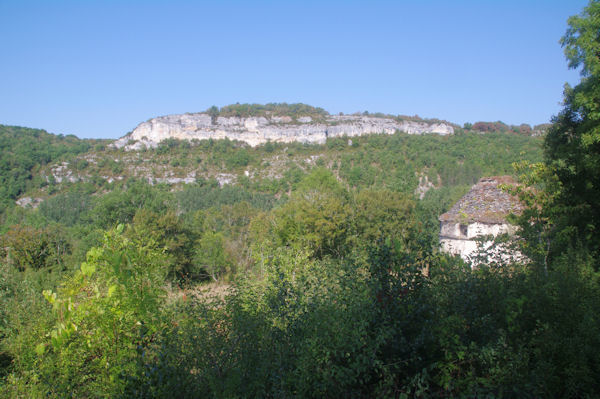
column 213, row 269
column 287, row 225
column 23, row 151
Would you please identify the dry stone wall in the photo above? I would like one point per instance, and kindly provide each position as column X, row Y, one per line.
column 482, row 212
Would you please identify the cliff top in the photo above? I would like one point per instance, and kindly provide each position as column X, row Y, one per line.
column 286, row 113
column 256, row 124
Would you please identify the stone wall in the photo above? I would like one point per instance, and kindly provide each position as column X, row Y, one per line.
column 461, row 239
column 483, row 211
column 459, row 231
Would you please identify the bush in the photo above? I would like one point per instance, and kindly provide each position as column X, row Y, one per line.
column 25, row 247
column 106, row 316
column 69, row 208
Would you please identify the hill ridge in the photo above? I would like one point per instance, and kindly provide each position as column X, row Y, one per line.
column 256, row 130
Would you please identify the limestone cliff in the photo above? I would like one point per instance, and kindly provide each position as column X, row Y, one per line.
column 259, row 130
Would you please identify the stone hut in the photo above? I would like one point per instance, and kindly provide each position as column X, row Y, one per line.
column 482, row 211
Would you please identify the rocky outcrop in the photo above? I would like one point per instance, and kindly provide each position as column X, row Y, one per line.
column 63, row 173
column 29, row 202
column 259, row 130
column 425, row 185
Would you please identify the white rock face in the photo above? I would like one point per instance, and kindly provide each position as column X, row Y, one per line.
column 28, row 202
column 424, row 186
column 62, row 172
column 259, row 130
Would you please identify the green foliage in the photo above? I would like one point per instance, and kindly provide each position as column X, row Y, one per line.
column 25, row 247
column 168, row 145
column 317, row 217
column 170, row 234
column 120, row 206
column 397, row 161
column 383, row 216
column 269, row 147
column 69, row 208
column 571, row 146
column 522, row 129
column 271, row 109
column 106, row 315
column 537, row 190
column 214, row 114
column 210, row 256
column 335, row 285
column 326, row 220
column 428, row 210
column 208, row 194
column 280, row 336
column 240, row 158
column 24, row 150
column 24, row 317
column 320, row 180
column 376, row 326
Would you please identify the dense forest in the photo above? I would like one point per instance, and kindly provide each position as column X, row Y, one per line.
column 24, row 151
column 214, row 269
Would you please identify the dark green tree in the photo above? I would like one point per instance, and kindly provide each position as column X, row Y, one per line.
column 211, row 256
column 572, row 146
column 214, row 114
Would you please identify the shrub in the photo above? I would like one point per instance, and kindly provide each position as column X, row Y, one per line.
column 107, row 316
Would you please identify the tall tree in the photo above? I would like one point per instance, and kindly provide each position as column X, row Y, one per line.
column 572, row 146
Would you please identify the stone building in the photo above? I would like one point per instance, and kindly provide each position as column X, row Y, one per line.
column 481, row 212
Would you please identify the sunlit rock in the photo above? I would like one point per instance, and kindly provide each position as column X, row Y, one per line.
column 259, row 130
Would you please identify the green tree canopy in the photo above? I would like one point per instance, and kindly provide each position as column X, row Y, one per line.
column 572, row 146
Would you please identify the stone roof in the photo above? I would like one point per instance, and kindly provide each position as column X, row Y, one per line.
column 485, row 203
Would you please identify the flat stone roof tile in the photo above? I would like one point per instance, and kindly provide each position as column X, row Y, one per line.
column 485, row 203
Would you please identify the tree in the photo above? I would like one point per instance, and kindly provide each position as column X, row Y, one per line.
column 107, row 316
column 317, row 217
column 26, row 247
column 69, row 208
column 211, row 255
column 572, row 146
column 381, row 215
column 120, row 206
column 169, row 233
column 214, row 114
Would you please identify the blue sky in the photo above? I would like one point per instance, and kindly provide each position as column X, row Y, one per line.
column 98, row 68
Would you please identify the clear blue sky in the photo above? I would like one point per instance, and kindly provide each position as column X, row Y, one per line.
column 98, row 68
